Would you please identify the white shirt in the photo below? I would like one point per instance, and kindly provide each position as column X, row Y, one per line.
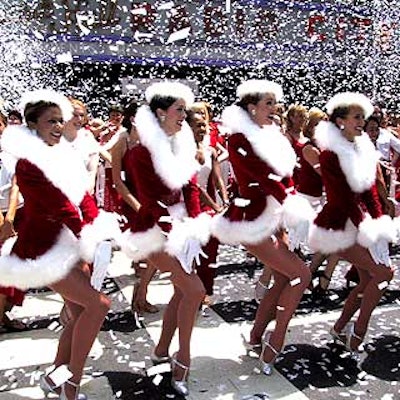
column 386, row 142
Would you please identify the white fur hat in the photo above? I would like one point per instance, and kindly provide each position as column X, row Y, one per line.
column 51, row 96
column 175, row 90
column 259, row 86
column 347, row 99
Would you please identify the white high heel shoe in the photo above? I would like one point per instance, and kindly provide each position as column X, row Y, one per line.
column 350, row 334
column 180, row 387
column 78, row 396
column 46, row 387
column 155, row 359
column 267, row 367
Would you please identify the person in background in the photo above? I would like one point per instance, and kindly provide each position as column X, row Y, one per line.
column 106, row 194
column 122, row 172
column 351, row 223
column 296, row 119
column 11, row 203
column 14, row 117
column 83, row 141
column 311, row 187
column 208, row 179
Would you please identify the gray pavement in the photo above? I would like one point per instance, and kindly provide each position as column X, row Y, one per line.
column 119, row 367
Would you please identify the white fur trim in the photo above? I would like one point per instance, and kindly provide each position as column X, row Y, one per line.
column 348, row 99
column 194, row 228
column 250, row 232
column 259, row 86
column 60, row 163
column 175, row 90
column 105, row 226
column 50, row 96
column 268, row 142
column 358, row 160
column 371, row 230
column 296, row 209
column 49, row 268
column 327, row 241
column 139, row 245
column 173, row 157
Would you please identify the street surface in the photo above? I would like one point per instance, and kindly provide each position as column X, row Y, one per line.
column 119, row 367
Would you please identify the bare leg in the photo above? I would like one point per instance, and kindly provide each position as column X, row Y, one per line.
column 139, row 302
column 181, row 311
column 276, row 254
column 76, row 289
column 328, row 272
column 367, row 294
column 266, row 311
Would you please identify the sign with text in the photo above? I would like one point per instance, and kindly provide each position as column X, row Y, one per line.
column 211, row 32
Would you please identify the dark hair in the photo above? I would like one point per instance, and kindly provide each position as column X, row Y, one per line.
column 163, row 102
column 130, row 111
column 249, row 99
column 116, row 108
column 339, row 112
column 33, row 111
column 16, row 114
column 371, row 119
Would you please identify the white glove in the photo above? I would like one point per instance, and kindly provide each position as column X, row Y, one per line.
column 298, row 234
column 380, row 252
column 102, row 259
column 190, row 252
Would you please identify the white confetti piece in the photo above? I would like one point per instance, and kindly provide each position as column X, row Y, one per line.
column 157, row 380
column 179, row 35
column 383, row 285
column 242, row 151
column 295, row 282
column 64, row 57
column 274, row 177
column 240, row 202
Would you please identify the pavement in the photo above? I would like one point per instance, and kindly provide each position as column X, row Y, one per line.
column 119, row 367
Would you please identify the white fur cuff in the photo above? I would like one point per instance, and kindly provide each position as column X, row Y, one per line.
column 105, row 226
column 328, row 241
column 296, row 209
column 371, row 230
column 245, row 231
column 44, row 270
column 139, row 245
column 194, row 228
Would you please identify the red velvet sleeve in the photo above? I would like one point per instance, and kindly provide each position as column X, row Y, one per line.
column 88, row 208
column 371, row 201
column 191, row 195
column 46, row 199
column 244, row 159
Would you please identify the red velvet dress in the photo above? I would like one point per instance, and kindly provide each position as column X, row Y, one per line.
column 161, row 170
column 352, row 213
column 61, row 223
column 263, row 162
column 309, row 181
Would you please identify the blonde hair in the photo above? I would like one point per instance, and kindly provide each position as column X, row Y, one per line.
column 315, row 115
column 292, row 110
column 200, row 107
column 80, row 104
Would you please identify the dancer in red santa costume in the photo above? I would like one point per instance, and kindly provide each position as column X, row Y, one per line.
column 164, row 232
column 60, row 231
column 351, row 222
column 263, row 161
